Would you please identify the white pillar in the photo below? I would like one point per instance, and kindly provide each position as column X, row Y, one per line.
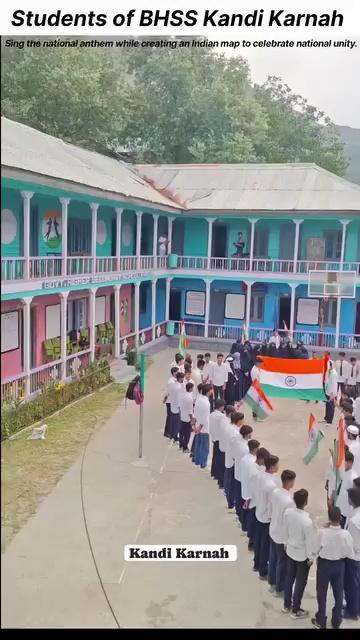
column 167, row 298
column 64, row 233
column 155, row 236
column 138, row 238
column 27, row 343
column 207, row 306
column 118, row 237
column 343, row 242
column 117, row 288
column 153, row 308
column 26, row 195
column 137, row 312
column 292, row 310
column 296, row 243
column 248, row 306
column 63, row 332
column 92, row 323
column 94, row 207
column 170, row 226
column 253, row 222
column 337, row 326
column 209, row 245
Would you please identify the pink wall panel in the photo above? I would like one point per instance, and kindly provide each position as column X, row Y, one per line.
column 39, row 303
column 11, row 360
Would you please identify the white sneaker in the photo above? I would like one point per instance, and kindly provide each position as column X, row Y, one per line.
column 299, row 615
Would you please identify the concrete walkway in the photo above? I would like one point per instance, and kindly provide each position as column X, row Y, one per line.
column 48, row 571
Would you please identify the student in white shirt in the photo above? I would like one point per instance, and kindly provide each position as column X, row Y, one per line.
column 353, row 374
column 186, row 416
column 197, row 375
column 172, row 380
column 163, row 243
column 243, row 467
column 223, row 425
column 356, row 409
column 354, row 447
column 236, row 448
column 240, row 449
column 334, row 545
column 265, row 487
column 280, row 500
column 219, row 376
column 202, row 419
column 178, row 362
column 248, row 492
column 342, row 498
column 352, row 566
column 331, row 389
column 215, row 418
column 206, row 374
column 342, row 370
column 175, row 392
column 300, row 552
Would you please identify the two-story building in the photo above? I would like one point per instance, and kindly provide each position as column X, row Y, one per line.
column 99, row 254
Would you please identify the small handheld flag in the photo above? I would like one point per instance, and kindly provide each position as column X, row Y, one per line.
column 183, row 341
column 256, row 399
column 314, row 438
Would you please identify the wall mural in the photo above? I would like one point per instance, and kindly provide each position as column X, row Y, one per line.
column 51, row 229
column 8, row 226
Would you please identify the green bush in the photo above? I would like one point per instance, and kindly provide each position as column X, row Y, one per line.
column 53, row 396
column 132, row 358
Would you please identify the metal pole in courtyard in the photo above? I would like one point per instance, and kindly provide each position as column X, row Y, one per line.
column 141, row 407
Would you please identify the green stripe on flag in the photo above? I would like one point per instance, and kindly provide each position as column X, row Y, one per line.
column 313, row 449
column 294, row 394
column 255, row 407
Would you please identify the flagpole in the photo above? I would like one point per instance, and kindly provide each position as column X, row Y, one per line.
column 141, row 406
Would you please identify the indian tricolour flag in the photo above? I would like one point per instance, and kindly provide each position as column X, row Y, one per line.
column 314, row 438
column 287, row 378
column 256, row 399
column 183, row 341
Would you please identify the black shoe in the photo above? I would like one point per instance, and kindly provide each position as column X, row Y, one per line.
column 347, row 616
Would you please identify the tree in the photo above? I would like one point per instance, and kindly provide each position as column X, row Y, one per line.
column 297, row 131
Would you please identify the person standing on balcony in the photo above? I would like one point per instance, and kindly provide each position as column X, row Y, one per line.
column 239, row 246
column 163, row 245
column 219, row 376
column 342, row 370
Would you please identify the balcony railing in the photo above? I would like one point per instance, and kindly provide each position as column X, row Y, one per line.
column 76, row 362
column 13, row 269
column 41, row 376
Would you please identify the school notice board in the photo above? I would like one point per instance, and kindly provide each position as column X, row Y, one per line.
column 9, row 331
column 195, row 303
column 235, row 306
column 308, row 311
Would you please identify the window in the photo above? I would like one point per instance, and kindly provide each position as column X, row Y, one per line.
column 332, row 245
column 143, row 297
column 79, row 237
column 77, row 314
column 330, row 312
column 261, row 243
column 257, row 307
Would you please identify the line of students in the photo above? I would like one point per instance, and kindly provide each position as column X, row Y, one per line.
column 280, row 532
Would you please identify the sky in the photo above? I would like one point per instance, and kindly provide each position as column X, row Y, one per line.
column 326, row 77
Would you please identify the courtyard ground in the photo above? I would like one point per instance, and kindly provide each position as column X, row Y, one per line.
column 65, row 567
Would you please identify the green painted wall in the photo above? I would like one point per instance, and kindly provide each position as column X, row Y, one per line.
column 195, row 237
column 352, row 249
column 128, row 233
column 106, row 215
column 12, row 200
column 314, row 229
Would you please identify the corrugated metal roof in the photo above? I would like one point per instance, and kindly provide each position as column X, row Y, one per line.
column 30, row 150
column 254, row 187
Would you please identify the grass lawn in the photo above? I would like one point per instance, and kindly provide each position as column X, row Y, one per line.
column 31, row 468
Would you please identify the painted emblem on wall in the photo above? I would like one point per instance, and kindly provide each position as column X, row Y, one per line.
column 51, row 229
column 101, row 234
column 126, row 235
column 8, row 226
column 124, row 309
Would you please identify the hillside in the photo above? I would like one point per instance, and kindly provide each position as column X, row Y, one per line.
column 351, row 138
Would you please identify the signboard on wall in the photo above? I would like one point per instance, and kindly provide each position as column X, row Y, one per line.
column 195, row 303
column 51, row 229
column 9, row 331
column 56, row 283
column 308, row 311
column 100, row 310
column 235, row 306
column 315, row 249
column 52, row 321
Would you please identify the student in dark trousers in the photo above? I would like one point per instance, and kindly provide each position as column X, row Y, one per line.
column 215, row 418
column 193, row 444
column 299, row 544
column 248, row 492
column 280, row 501
column 352, row 566
column 266, row 485
column 172, row 380
column 186, row 416
column 334, row 546
column 229, row 409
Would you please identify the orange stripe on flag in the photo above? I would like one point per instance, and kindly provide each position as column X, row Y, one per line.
column 311, row 422
column 262, row 396
column 285, row 365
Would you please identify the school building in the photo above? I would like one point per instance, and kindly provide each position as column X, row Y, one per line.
column 255, row 246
